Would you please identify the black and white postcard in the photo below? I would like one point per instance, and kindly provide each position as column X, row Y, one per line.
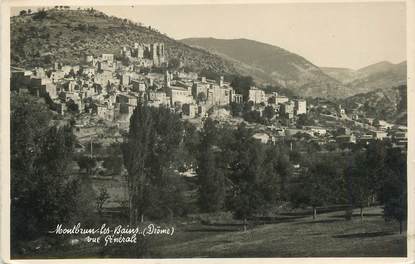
column 175, row 130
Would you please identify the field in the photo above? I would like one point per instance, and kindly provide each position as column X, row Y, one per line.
column 289, row 235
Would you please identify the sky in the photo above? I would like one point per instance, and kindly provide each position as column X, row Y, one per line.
column 351, row 35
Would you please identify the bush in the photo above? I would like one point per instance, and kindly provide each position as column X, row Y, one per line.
column 41, row 14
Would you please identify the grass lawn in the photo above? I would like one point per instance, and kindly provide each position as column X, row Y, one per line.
column 288, row 235
column 328, row 236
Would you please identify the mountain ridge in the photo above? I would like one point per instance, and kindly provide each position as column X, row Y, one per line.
column 272, row 64
column 388, row 104
column 380, row 75
column 51, row 35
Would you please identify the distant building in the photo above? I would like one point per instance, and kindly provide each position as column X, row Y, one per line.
column 219, row 95
column 88, row 70
column 346, row 139
column 125, row 79
column 157, row 98
column 287, row 110
column 48, row 89
column 157, row 53
column 201, row 110
column 88, row 58
column 187, row 75
column 378, row 134
column 20, row 79
column 237, row 98
column 190, row 110
column 67, row 69
column 103, row 112
column 145, row 54
column 138, row 85
column 280, row 99
column 200, row 88
column 316, row 130
column 127, row 102
column 179, row 94
column 400, row 139
column 108, row 57
column 365, row 139
column 300, row 106
column 60, row 108
column 264, row 138
column 103, row 77
column 343, row 131
column 55, row 76
column 256, row 95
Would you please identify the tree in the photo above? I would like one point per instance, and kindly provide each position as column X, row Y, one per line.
column 174, row 64
column 201, row 97
column 191, row 143
column 125, row 61
column 268, row 112
column 253, row 116
column 136, row 152
column 394, row 187
column 113, row 164
column 42, row 194
column 210, row 176
column 149, row 151
column 361, row 189
column 87, row 163
column 304, row 120
column 247, row 173
column 271, row 182
column 284, row 167
column 40, row 14
column 396, row 208
column 236, row 109
column 320, row 185
column 101, row 199
column 23, row 12
column 72, row 106
column 242, row 84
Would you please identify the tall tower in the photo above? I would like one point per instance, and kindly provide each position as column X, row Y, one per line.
column 167, row 79
column 162, row 54
column 221, row 81
column 153, row 51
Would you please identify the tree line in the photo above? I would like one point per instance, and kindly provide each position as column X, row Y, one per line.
column 236, row 173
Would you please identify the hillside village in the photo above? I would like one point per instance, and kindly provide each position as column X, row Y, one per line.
column 98, row 95
column 105, row 89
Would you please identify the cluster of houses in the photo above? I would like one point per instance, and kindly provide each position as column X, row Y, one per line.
column 281, row 104
column 366, row 130
column 111, row 89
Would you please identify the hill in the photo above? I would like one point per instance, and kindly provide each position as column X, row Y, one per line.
column 343, row 75
column 41, row 38
column 388, row 104
column 273, row 65
column 380, row 75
